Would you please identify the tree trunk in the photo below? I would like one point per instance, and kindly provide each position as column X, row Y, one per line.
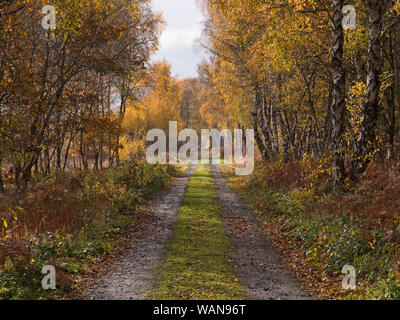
column 46, row 170
column 283, row 134
column 85, row 164
column 255, row 114
column 392, row 93
column 339, row 94
column 365, row 145
column 275, row 138
column 71, row 138
column 266, row 129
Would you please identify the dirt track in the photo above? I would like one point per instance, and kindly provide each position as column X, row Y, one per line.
column 131, row 276
column 261, row 268
column 262, row 272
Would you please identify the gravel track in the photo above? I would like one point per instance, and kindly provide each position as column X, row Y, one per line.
column 261, row 268
column 131, row 276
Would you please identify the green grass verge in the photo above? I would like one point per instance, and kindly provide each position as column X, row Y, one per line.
column 197, row 265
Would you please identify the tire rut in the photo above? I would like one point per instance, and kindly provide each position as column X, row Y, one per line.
column 131, row 276
column 261, row 268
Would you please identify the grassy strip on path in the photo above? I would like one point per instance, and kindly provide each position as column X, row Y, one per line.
column 198, row 262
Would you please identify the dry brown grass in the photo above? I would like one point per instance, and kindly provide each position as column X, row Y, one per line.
column 282, row 176
column 47, row 207
column 374, row 198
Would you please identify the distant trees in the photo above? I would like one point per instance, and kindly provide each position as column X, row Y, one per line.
column 167, row 98
column 191, row 104
column 160, row 103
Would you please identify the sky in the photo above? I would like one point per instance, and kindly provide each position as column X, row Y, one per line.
column 180, row 41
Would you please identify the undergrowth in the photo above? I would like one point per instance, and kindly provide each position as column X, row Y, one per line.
column 358, row 226
column 68, row 221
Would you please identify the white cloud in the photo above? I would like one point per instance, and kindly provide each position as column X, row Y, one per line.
column 179, row 43
column 179, row 40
